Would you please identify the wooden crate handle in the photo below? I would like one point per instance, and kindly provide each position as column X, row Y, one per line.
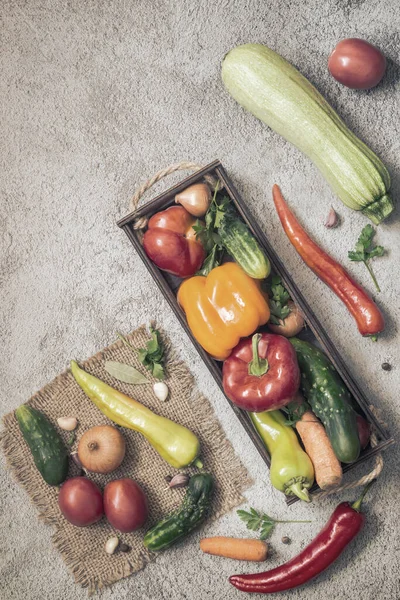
column 181, row 166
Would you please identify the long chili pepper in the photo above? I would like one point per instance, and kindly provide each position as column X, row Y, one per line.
column 368, row 317
column 345, row 523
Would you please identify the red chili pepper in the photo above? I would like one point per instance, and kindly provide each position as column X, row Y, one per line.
column 261, row 373
column 368, row 317
column 345, row 523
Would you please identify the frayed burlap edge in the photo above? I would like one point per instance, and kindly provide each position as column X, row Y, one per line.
column 207, row 420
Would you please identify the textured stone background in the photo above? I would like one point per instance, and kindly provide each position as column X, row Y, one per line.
column 96, row 97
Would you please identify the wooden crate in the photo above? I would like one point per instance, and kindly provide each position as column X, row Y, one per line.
column 314, row 332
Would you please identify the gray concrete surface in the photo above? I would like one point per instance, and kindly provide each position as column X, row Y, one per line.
column 97, row 96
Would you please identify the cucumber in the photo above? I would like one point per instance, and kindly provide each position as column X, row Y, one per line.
column 330, row 400
column 191, row 513
column 241, row 244
column 48, row 450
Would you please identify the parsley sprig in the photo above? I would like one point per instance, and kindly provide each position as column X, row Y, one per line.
column 261, row 522
column 152, row 357
column 279, row 298
column 365, row 250
column 294, row 411
column 207, row 234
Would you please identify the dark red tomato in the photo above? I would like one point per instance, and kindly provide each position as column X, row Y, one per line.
column 357, row 64
column 270, row 390
column 80, row 501
column 171, row 244
column 125, row 504
column 364, row 431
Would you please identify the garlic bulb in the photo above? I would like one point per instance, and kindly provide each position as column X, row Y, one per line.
column 196, row 199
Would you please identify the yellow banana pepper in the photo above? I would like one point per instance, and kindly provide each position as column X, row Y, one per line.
column 175, row 443
column 222, row 308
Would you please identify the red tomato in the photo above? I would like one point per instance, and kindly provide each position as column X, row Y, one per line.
column 125, row 505
column 169, row 242
column 357, row 64
column 364, row 431
column 80, row 501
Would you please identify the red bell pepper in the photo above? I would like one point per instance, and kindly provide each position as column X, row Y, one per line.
column 261, row 373
column 171, row 244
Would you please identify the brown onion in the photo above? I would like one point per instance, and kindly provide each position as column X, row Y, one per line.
column 196, row 199
column 293, row 323
column 101, row 449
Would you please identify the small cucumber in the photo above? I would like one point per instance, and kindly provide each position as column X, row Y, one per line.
column 330, row 400
column 191, row 513
column 48, row 450
column 241, row 244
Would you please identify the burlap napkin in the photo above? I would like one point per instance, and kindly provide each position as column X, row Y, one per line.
column 83, row 548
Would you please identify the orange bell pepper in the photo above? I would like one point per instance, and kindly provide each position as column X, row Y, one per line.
column 222, row 308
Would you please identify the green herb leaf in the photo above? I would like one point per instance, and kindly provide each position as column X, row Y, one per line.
column 71, row 439
column 355, row 256
column 142, row 355
column 365, row 250
column 124, row 372
column 295, row 410
column 256, row 521
column 280, row 294
column 376, row 252
column 220, row 211
column 213, row 260
column 152, row 356
column 278, row 311
column 158, row 371
column 279, row 297
column 207, row 233
column 266, row 529
column 153, row 345
column 252, row 519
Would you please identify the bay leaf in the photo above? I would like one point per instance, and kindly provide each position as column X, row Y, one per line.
column 125, row 373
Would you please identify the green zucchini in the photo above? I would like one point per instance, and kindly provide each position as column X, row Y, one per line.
column 329, row 399
column 191, row 513
column 241, row 244
column 272, row 89
column 48, row 450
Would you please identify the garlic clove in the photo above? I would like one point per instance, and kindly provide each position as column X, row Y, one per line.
column 161, row 390
column 76, row 459
column 111, row 545
column 179, row 480
column 333, row 219
column 196, row 199
column 67, row 423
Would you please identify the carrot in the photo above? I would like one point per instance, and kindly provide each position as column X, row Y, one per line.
column 239, row 549
column 328, row 471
